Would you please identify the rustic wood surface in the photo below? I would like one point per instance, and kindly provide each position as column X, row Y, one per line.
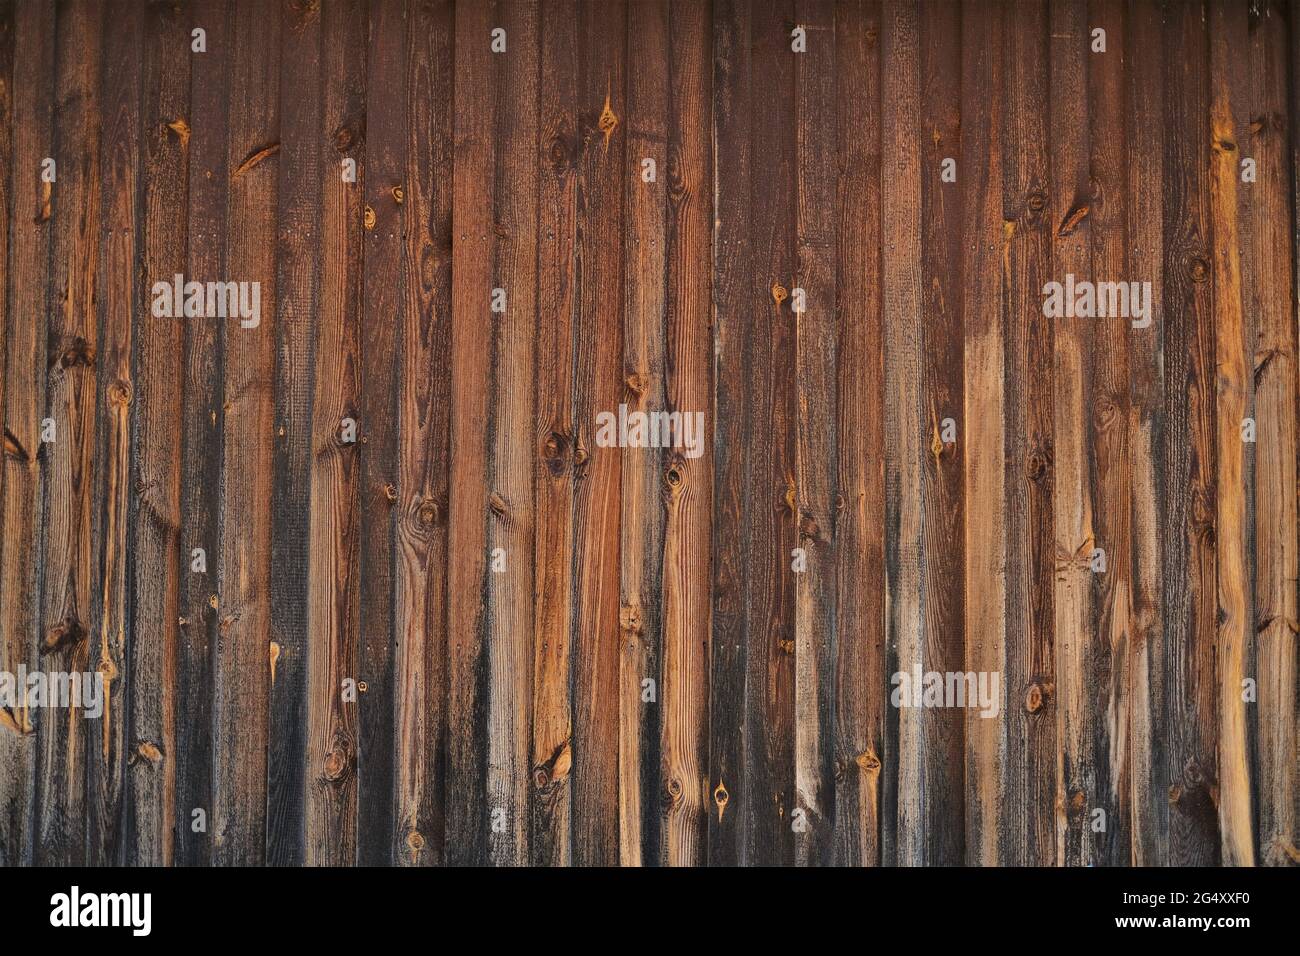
column 435, row 621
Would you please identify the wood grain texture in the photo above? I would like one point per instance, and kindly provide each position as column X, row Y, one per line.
column 372, row 580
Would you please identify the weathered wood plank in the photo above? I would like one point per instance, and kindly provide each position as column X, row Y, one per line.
column 1234, row 346
column 725, row 799
column 598, row 387
column 244, row 650
column 423, row 429
column 769, row 442
column 641, row 525
column 687, row 482
column 24, row 458
column 903, row 841
column 202, row 414
column 986, row 256
column 1027, row 831
column 119, row 298
column 330, row 789
column 381, row 343
column 469, row 817
column 943, row 283
column 514, row 84
column 1149, row 777
column 67, row 547
column 1187, row 449
column 1277, row 621
column 158, row 562
column 816, row 144
column 861, row 688
column 552, row 733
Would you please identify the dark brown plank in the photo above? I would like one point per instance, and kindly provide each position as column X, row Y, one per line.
column 244, row 648
column 943, row 281
column 67, row 545
column 119, row 298
column 424, row 404
column 687, row 482
column 384, row 219
column 552, row 743
column 1187, row 447
column 726, row 800
column 159, row 562
column 330, row 788
column 861, row 683
column 598, row 387
column 24, row 406
column 296, row 288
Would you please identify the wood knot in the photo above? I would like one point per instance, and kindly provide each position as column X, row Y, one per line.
column 64, row 635
column 675, row 790
column 1036, row 466
column 344, row 138
column 1036, row 201
column 608, row 120
column 674, row 476
column 720, row 798
column 427, row 513
column 497, row 505
column 336, row 764
column 399, row 195
column 390, row 491
column 779, row 293
column 369, row 218
column 415, row 841
column 1035, row 697
column 868, row 761
column 119, row 394
column 77, row 354
column 1200, row 269
column 149, row 752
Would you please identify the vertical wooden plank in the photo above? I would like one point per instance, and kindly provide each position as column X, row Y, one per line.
column 1234, row 347
column 642, row 519
column 687, row 480
column 1075, row 538
column 1277, row 620
column 202, row 414
column 24, row 406
column 552, row 743
column 423, row 422
column 1108, row 439
column 861, row 684
column 469, row 817
column 984, row 311
column 510, row 475
column 1027, row 829
column 158, row 564
column 330, row 779
column 1187, row 451
column 732, row 278
column 599, row 387
column 905, row 423
column 6, row 206
column 243, row 653
column 1149, row 776
column 769, row 440
column 641, row 525
column 67, row 543
column 816, row 145
column 940, row 829
column 384, row 220
column 119, row 296
column 297, row 282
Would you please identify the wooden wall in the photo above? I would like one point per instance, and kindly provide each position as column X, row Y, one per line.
column 800, row 271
